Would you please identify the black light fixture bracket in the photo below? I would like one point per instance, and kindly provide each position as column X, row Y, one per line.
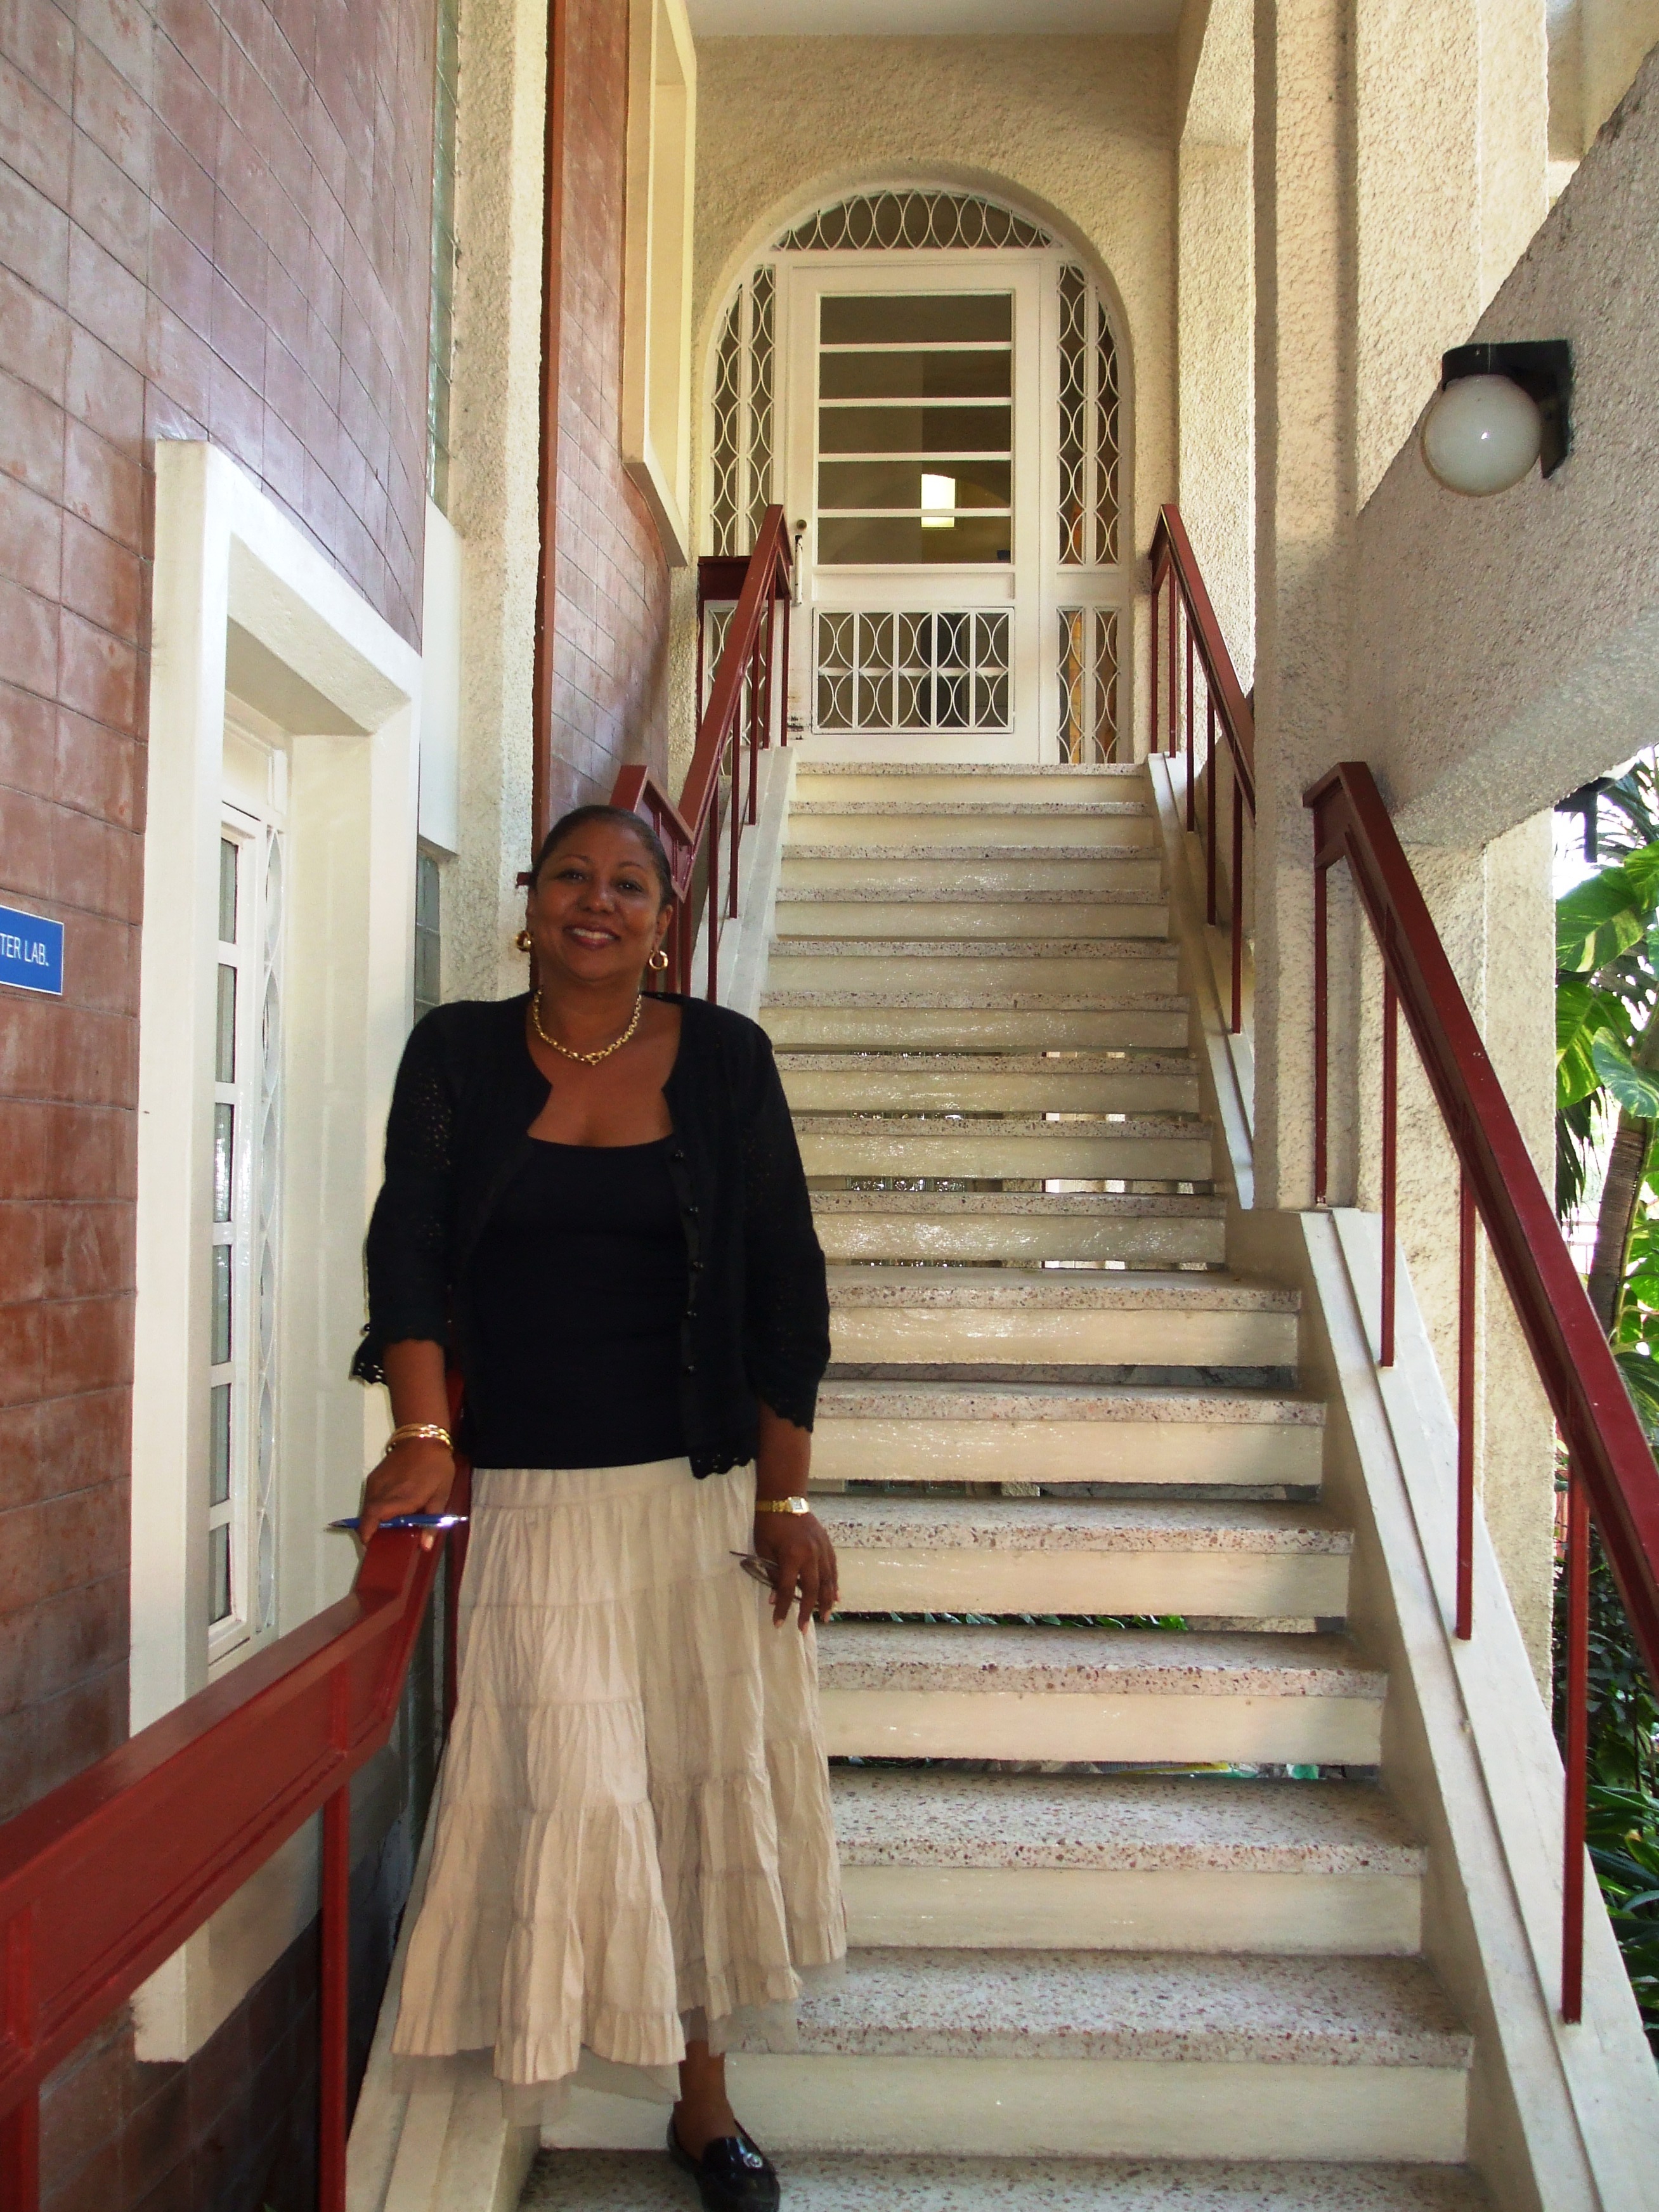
column 1543, row 369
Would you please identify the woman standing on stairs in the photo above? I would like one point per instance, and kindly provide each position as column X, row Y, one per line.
column 594, row 1205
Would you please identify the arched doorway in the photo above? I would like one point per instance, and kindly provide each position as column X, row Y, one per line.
column 931, row 384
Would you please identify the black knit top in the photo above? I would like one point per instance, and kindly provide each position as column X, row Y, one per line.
column 578, row 1286
column 756, row 1324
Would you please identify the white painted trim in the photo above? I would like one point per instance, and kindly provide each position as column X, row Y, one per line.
column 441, row 693
column 223, row 554
column 746, row 944
column 661, row 196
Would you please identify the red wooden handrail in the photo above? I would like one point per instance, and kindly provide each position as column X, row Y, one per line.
column 738, row 716
column 1175, row 574
column 104, row 1878
column 1611, row 1467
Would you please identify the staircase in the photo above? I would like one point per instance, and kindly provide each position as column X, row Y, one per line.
column 1132, row 1923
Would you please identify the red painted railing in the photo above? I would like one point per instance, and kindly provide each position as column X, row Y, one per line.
column 104, row 1879
column 1185, row 629
column 747, row 707
column 1612, row 1472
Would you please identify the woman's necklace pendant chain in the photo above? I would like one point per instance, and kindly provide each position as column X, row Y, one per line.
column 587, row 1059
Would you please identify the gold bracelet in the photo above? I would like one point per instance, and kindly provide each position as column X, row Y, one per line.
column 781, row 1505
column 421, row 1431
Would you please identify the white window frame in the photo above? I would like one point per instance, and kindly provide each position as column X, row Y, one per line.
column 241, row 598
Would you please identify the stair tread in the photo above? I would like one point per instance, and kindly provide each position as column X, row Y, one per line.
column 1086, row 1524
column 1133, row 1205
column 646, row 2181
column 968, row 999
column 971, row 809
column 1063, row 1401
column 873, row 1284
column 941, row 1121
column 889, row 1655
column 882, row 894
column 933, row 1816
column 977, row 771
column 1166, row 2005
column 910, row 1060
column 973, row 948
column 982, row 854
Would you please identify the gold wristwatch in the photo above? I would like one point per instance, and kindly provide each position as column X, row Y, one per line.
column 781, row 1505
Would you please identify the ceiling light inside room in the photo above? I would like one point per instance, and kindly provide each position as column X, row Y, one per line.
column 939, row 499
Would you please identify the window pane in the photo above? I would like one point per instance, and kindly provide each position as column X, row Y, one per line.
column 899, row 484
column 219, row 1444
column 227, row 891
column 219, row 1331
column 224, row 1055
column 224, row 1141
column 915, row 430
column 902, row 539
column 912, row 317
column 219, row 1574
column 915, row 375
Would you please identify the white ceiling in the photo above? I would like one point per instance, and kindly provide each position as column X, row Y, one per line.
column 714, row 18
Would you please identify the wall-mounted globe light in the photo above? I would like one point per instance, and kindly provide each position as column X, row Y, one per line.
column 1500, row 409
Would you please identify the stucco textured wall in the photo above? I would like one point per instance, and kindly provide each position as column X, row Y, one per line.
column 1507, row 648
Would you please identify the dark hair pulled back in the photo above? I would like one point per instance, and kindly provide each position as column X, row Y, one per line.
column 580, row 817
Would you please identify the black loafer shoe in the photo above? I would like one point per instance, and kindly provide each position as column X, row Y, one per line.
column 732, row 2175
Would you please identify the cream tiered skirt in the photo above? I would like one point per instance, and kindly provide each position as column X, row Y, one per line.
column 634, row 1842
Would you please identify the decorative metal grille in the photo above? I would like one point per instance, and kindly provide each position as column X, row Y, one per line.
column 1086, row 666
column 1088, row 425
column 742, row 440
column 895, row 221
column 887, row 671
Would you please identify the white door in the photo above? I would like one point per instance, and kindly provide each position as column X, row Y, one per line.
column 915, row 390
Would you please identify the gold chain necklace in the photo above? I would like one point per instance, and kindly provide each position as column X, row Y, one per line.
column 587, row 1059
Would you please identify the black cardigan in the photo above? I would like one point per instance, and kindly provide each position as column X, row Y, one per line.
column 756, row 1324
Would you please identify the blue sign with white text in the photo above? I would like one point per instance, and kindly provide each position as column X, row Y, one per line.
column 31, row 952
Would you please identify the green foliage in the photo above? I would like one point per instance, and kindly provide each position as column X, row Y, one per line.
column 1607, row 992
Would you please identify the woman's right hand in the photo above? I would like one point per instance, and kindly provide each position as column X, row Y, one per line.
column 416, row 1477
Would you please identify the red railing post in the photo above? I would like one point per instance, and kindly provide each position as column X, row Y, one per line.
column 1465, row 1407
column 1209, row 808
column 1390, row 1131
column 1157, row 590
column 1576, row 1763
column 19, row 2156
column 1174, row 642
column 1321, row 1037
column 1191, row 795
column 1238, row 905
column 333, row 2008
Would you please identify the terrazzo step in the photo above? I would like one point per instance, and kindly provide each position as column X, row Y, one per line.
column 645, row 2181
column 897, row 1020
column 951, row 825
column 933, row 1690
column 966, row 872
column 1054, row 1432
column 1240, row 1560
column 935, row 1859
column 872, row 911
column 1024, row 1228
column 1164, row 1147
column 957, row 1316
column 990, row 1083
column 900, row 781
column 1051, row 2053
column 925, row 964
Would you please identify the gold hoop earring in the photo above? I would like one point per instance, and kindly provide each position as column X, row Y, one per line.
column 659, row 960
column 524, row 940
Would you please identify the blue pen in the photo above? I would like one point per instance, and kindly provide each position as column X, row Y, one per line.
column 407, row 1521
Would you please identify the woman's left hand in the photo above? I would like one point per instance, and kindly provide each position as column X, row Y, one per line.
column 806, row 1563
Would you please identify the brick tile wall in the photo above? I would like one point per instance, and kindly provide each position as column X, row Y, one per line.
column 213, row 222
column 611, row 623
